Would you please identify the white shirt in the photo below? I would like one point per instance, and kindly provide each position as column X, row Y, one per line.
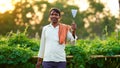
column 50, row 49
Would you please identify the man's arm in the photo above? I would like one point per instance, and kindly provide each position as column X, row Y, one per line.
column 41, row 49
column 73, row 30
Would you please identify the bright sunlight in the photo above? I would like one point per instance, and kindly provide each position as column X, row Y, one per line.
column 6, row 5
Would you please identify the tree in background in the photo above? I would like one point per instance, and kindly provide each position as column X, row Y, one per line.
column 90, row 23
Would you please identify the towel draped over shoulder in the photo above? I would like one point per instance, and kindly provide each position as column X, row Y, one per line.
column 62, row 33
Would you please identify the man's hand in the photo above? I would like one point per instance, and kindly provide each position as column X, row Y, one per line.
column 39, row 62
column 73, row 27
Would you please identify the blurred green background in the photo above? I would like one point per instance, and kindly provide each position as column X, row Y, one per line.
column 92, row 20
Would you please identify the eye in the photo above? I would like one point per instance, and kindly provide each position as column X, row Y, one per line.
column 54, row 14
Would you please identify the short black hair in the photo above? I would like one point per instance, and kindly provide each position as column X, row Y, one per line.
column 56, row 10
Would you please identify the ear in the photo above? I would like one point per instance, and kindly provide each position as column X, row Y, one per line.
column 60, row 16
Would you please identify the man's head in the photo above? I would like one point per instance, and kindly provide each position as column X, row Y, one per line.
column 55, row 15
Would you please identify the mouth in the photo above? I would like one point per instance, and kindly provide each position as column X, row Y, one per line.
column 54, row 19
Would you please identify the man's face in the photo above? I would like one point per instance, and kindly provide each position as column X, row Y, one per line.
column 54, row 17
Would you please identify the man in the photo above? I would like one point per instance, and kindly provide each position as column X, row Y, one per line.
column 53, row 39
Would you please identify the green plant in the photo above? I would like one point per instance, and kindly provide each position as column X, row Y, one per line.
column 17, row 49
column 3, row 40
column 79, row 56
column 21, row 40
column 14, row 55
column 86, row 48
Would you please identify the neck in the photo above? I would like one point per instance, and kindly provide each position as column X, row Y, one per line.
column 55, row 24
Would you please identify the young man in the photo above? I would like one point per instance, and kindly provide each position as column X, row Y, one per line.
column 53, row 39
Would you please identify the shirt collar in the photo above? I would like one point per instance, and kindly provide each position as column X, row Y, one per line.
column 52, row 25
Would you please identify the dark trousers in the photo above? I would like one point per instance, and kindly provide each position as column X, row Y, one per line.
column 50, row 64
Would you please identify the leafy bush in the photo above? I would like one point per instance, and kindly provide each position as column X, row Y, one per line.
column 79, row 56
column 21, row 40
column 17, row 49
column 84, row 49
column 107, row 47
column 111, row 47
column 3, row 40
column 12, row 55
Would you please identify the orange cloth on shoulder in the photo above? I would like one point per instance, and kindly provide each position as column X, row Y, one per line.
column 62, row 33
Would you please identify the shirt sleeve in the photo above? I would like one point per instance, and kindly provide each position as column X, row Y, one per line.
column 42, row 44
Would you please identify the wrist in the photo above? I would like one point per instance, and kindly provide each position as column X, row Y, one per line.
column 74, row 32
column 40, row 59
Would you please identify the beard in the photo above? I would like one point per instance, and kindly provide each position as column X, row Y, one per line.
column 54, row 20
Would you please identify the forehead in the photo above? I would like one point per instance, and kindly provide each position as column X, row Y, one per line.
column 54, row 12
